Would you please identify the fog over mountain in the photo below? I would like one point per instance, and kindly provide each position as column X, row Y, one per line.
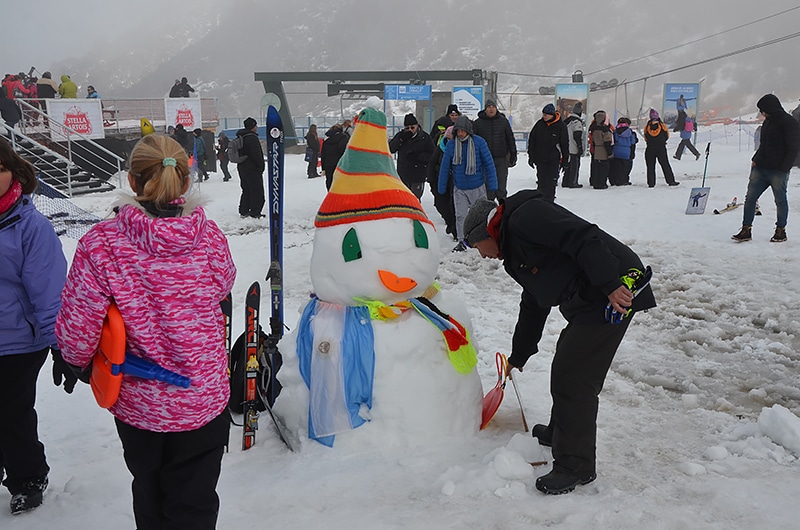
column 219, row 47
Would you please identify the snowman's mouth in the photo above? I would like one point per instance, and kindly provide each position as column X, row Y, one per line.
column 395, row 283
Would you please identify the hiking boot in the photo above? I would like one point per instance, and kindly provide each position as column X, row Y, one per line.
column 29, row 497
column 562, row 480
column 674, row 183
column 544, row 434
column 461, row 247
column 780, row 235
column 744, row 234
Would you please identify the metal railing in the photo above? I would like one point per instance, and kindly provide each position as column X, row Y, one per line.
column 59, row 141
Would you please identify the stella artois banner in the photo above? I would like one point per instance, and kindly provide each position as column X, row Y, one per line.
column 84, row 116
column 185, row 111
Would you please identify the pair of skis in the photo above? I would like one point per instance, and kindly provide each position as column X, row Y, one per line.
column 255, row 350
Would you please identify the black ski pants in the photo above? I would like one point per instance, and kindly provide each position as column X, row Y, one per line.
column 547, row 179
column 581, row 362
column 21, row 452
column 653, row 154
column 570, row 179
column 252, row 201
column 175, row 474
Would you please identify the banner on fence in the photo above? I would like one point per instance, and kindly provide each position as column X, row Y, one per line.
column 185, row 111
column 84, row 116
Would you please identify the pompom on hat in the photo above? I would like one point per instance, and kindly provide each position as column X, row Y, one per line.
column 365, row 184
column 654, row 114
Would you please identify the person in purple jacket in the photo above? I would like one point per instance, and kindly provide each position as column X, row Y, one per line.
column 32, row 274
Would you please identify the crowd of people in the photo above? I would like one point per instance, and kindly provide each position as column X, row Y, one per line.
column 477, row 163
column 35, row 90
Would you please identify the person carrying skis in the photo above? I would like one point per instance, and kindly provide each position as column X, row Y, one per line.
column 562, row 260
column 32, row 274
column 166, row 267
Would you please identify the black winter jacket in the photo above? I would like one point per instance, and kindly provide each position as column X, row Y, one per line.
column 413, row 155
column 333, row 148
column 547, row 141
column 251, row 146
column 562, row 260
column 497, row 133
column 780, row 137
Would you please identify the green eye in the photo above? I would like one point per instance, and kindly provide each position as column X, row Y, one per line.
column 351, row 249
column 420, row 236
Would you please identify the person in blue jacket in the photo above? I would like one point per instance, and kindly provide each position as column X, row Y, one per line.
column 32, row 274
column 624, row 150
column 468, row 159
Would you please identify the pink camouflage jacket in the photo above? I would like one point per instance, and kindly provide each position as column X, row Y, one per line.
column 167, row 276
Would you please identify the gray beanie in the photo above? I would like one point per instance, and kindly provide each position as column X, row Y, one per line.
column 476, row 220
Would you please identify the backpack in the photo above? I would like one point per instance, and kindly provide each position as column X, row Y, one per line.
column 238, row 364
column 689, row 126
column 234, row 150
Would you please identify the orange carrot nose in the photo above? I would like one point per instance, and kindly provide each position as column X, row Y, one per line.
column 395, row 283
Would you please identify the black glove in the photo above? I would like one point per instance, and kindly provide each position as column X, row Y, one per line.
column 62, row 370
column 512, row 160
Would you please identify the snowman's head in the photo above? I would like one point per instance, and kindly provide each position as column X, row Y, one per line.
column 373, row 239
column 388, row 260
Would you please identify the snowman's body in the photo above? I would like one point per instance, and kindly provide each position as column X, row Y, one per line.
column 417, row 394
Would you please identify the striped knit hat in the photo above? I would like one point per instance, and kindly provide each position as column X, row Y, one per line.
column 365, row 185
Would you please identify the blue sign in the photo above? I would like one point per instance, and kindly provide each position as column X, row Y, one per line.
column 407, row 92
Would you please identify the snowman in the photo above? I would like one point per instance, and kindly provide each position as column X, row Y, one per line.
column 380, row 355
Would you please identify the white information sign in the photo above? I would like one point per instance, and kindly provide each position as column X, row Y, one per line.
column 185, row 111
column 84, row 116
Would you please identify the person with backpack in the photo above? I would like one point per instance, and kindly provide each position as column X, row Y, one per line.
column 222, row 155
column 199, row 152
column 251, row 169
column 656, row 135
column 166, row 267
column 689, row 126
column 624, row 148
column 32, row 273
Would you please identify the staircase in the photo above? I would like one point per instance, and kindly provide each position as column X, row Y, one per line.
column 74, row 165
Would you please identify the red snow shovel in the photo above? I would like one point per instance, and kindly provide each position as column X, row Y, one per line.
column 493, row 398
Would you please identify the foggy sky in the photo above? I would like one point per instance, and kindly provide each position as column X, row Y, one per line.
column 121, row 47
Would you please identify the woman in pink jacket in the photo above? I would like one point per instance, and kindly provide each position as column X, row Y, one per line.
column 166, row 267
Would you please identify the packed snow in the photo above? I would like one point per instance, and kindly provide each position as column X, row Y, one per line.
column 698, row 425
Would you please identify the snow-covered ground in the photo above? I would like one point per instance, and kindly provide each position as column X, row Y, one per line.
column 698, row 424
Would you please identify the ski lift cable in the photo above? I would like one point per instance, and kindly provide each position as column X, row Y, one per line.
column 693, row 41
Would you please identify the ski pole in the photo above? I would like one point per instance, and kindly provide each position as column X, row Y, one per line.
column 708, row 150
